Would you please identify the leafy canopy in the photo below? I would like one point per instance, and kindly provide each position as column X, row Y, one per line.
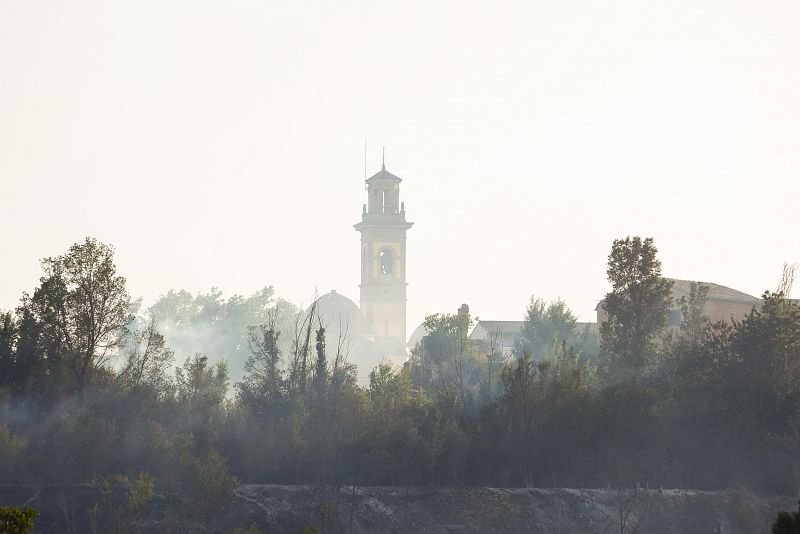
column 637, row 305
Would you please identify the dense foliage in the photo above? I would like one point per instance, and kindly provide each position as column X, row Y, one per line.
column 214, row 325
column 17, row 520
column 87, row 390
column 787, row 523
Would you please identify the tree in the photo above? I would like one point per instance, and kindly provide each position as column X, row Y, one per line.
column 320, row 379
column 693, row 317
column 449, row 355
column 211, row 324
column 198, row 383
column 546, row 324
column 140, row 493
column 8, row 340
column 787, row 523
column 80, row 311
column 519, row 404
column 147, row 361
column 637, row 305
column 543, row 412
column 13, row 451
column 32, row 371
column 17, row 520
column 212, row 484
column 263, row 384
column 397, row 446
column 496, row 360
column 736, row 399
column 388, row 390
column 201, row 391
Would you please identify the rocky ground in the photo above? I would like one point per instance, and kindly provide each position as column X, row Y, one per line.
column 269, row 508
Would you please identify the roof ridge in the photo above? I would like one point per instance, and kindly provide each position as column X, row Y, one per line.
column 384, row 174
column 720, row 292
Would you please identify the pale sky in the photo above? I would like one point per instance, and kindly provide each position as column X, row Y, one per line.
column 221, row 143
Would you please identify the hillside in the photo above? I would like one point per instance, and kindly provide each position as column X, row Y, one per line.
column 273, row 508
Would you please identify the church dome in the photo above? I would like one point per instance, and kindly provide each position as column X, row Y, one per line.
column 416, row 336
column 339, row 312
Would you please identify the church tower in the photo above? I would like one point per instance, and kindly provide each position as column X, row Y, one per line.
column 383, row 260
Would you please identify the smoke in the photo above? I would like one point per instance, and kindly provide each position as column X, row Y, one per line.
column 217, row 327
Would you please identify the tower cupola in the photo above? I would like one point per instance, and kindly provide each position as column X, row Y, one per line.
column 383, row 190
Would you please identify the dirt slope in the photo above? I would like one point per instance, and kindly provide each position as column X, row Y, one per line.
column 395, row 510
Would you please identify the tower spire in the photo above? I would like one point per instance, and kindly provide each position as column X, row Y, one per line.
column 383, row 158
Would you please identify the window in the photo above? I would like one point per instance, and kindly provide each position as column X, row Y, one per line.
column 387, row 261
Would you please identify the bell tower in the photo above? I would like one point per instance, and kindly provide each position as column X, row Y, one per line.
column 383, row 259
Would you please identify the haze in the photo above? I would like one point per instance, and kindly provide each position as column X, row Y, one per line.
column 222, row 143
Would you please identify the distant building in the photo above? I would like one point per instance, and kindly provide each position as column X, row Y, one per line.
column 416, row 336
column 383, row 230
column 376, row 330
column 503, row 335
column 723, row 303
column 338, row 313
column 348, row 332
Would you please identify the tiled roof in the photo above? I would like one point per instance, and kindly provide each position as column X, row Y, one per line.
column 504, row 328
column 513, row 329
column 681, row 288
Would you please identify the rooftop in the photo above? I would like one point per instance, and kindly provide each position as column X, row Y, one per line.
column 385, row 176
column 340, row 314
column 681, row 288
column 513, row 329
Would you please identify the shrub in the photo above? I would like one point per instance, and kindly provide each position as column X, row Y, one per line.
column 17, row 520
column 787, row 522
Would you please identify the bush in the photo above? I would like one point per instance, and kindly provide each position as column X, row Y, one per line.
column 787, row 523
column 212, row 483
column 141, row 492
column 12, row 453
column 17, row 520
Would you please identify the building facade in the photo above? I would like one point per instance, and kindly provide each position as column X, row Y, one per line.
column 383, row 228
column 722, row 303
